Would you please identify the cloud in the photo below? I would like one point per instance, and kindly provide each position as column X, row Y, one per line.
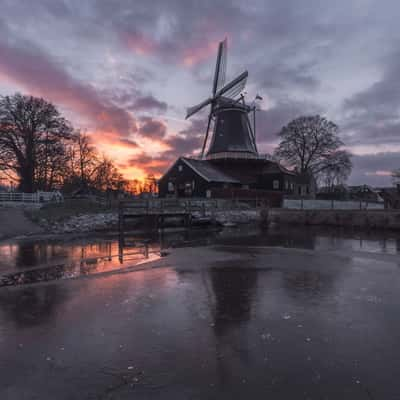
column 186, row 143
column 189, row 140
column 373, row 114
column 375, row 169
column 148, row 102
column 30, row 68
column 270, row 121
column 128, row 143
column 279, row 76
column 150, row 165
column 152, row 128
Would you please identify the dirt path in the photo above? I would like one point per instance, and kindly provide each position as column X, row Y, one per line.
column 13, row 222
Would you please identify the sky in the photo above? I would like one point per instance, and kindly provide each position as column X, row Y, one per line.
column 124, row 71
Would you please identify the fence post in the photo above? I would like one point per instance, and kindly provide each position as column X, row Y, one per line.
column 332, row 204
column 302, row 205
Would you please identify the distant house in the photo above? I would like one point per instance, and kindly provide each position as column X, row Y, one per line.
column 364, row 193
column 258, row 177
column 391, row 197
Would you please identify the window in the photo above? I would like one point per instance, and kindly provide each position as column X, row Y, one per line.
column 299, row 190
column 188, row 189
column 180, row 168
column 245, row 187
column 275, row 184
column 170, row 187
column 286, row 185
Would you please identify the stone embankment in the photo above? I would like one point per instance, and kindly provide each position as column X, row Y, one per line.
column 365, row 219
column 82, row 223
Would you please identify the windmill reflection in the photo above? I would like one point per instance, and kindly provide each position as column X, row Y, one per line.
column 234, row 291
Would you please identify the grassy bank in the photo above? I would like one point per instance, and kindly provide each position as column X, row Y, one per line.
column 60, row 212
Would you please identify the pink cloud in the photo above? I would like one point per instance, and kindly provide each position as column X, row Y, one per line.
column 194, row 55
column 37, row 73
column 139, row 43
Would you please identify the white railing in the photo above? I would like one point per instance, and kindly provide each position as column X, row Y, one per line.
column 310, row 204
column 38, row 197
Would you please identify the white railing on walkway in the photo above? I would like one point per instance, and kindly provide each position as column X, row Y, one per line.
column 310, row 204
column 38, row 197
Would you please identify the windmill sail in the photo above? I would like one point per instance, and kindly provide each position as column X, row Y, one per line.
column 220, row 67
column 193, row 110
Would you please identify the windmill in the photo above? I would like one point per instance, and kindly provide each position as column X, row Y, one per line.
column 233, row 135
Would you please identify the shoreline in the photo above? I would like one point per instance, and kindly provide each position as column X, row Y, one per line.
column 16, row 225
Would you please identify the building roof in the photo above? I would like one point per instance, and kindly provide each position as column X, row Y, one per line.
column 208, row 171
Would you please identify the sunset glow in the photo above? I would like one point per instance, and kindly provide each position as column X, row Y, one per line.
column 153, row 60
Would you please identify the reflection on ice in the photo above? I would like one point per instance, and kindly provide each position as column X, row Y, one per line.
column 43, row 260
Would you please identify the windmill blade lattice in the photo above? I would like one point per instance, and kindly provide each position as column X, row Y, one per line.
column 193, row 110
column 234, row 87
column 220, row 67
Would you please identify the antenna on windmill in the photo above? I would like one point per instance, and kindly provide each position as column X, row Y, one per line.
column 219, row 89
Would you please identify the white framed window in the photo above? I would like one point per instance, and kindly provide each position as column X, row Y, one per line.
column 170, row 187
column 180, row 168
column 275, row 184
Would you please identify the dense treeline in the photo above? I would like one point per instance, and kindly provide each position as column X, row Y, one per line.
column 41, row 150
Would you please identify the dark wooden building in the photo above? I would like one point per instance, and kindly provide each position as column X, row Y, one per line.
column 189, row 177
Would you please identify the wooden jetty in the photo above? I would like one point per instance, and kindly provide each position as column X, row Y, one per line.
column 156, row 211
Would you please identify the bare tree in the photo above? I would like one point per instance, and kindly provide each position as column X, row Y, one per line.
column 86, row 158
column 337, row 170
column 150, row 184
column 31, row 132
column 106, row 175
column 311, row 145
